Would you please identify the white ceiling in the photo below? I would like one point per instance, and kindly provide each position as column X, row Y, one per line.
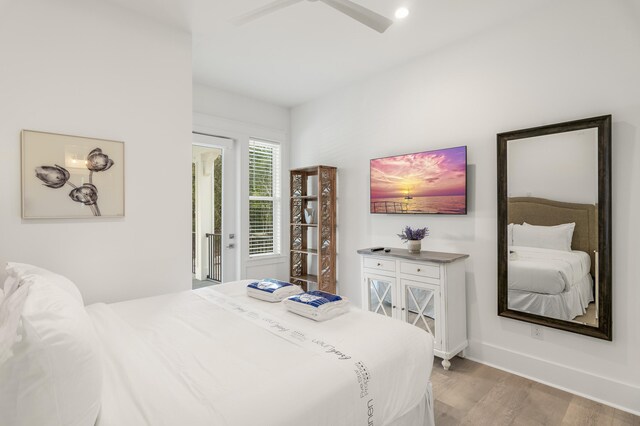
column 305, row 50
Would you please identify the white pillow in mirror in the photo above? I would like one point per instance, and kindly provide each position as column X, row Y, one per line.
column 556, row 237
column 568, row 228
column 20, row 270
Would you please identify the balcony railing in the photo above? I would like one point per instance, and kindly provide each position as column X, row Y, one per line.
column 214, row 243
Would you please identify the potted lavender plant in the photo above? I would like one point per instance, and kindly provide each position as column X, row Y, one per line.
column 413, row 237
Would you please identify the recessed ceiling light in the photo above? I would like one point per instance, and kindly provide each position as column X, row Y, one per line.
column 402, row 12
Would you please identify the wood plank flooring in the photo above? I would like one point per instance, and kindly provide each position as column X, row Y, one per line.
column 589, row 317
column 475, row 394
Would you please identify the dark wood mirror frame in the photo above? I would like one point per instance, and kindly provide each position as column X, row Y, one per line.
column 604, row 328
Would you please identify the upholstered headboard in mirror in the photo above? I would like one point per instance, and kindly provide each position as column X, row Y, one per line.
column 540, row 211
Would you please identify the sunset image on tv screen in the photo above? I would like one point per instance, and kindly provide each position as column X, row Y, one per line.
column 426, row 182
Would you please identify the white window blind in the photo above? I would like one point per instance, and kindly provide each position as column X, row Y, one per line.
column 264, row 198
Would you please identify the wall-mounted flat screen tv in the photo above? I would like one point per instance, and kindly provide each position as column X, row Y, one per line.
column 430, row 182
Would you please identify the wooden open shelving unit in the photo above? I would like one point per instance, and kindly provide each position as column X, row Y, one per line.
column 313, row 245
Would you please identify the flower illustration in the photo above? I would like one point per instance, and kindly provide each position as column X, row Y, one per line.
column 86, row 194
column 53, row 177
column 98, row 162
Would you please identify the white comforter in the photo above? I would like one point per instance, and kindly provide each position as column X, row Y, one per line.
column 546, row 271
column 182, row 360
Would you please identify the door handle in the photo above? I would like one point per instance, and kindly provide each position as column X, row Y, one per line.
column 230, row 246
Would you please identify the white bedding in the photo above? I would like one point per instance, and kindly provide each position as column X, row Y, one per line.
column 182, row 360
column 565, row 306
column 546, row 271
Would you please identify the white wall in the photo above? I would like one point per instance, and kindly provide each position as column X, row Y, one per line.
column 560, row 167
column 221, row 113
column 89, row 68
column 573, row 60
column 241, row 109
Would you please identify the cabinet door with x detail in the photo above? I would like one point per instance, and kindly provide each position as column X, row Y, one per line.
column 381, row 297
column 420, row 306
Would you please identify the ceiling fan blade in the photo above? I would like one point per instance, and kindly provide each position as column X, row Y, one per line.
column 366, row 16
column 262, row 11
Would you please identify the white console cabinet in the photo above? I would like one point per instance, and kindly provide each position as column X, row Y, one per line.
column 426, row 289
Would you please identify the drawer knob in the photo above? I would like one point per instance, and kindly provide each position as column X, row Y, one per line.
column 394, row 306
column 379, row 264
column 403, row 309
column 418, row 269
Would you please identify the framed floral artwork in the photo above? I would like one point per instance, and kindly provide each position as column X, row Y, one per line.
column 67, row 176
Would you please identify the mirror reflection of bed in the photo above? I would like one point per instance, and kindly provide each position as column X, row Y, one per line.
column 554, row 233
column 552, row 259
column 553, row 225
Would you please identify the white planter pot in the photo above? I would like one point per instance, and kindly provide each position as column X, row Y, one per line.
column 414, row 246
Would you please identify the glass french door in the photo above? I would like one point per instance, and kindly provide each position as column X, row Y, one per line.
column 213, row 210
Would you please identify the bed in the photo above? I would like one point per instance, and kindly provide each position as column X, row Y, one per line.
column 213, row 356
column 546, row 281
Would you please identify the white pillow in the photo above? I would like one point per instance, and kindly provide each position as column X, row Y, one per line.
column 19, row 270
column 550, row 237
column 54, row 377
column 8, row 284
column 11, row 305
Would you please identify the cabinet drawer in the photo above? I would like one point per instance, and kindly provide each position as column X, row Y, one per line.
column 420, row 269
column 380, row 264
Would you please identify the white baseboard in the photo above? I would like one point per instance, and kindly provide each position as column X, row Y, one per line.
column 615, row 393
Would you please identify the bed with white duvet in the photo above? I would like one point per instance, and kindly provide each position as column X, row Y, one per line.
column 213, row 356
column 548, row 282
column 546, row 271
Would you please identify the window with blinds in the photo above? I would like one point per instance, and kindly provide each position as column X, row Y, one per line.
column 264, row 198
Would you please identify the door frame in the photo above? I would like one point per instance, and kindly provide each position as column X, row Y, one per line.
column 242, row 132
column 229, row 203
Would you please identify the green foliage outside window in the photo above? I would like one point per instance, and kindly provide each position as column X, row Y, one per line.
column 217, row 195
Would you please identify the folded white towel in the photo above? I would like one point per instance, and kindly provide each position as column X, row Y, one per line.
column 317, row 305
column 271, row 290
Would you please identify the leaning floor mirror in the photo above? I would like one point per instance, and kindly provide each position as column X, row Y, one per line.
column 554, row 226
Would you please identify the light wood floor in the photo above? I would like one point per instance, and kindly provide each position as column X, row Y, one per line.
column 475, row 394
column 589, row 317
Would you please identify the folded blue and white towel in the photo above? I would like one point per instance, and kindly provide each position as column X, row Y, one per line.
column 272, row 290
column 317, row 305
